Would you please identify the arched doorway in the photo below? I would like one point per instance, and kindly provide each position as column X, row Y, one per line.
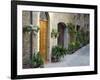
column 43, row 34
column 63, row 35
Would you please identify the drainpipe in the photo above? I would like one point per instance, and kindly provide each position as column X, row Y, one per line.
column 31, row 40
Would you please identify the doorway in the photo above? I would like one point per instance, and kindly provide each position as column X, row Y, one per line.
column 62, row 34
column 43, row 34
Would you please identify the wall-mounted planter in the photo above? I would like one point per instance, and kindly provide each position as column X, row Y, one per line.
column 54, row 33
column 30, row 28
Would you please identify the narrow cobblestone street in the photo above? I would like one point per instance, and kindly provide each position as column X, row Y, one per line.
column 79, row 58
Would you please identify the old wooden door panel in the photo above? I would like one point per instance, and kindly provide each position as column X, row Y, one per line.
column 43, row 39
column 61, row 35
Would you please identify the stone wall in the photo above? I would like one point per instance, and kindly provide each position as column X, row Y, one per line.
column 75, row 18
column 26, row 21
column 26, row 39
column 54, row 19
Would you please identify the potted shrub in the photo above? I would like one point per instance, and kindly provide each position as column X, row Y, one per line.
column 37, row 60
column 57, row 53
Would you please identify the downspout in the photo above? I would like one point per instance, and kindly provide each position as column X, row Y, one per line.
column 31, row 40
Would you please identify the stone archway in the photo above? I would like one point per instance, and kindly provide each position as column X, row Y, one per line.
column 63, row 35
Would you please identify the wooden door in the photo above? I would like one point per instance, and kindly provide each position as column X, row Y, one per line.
column 61, row 35
column 43, row 39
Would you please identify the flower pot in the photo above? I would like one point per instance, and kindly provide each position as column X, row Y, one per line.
column 55, row 59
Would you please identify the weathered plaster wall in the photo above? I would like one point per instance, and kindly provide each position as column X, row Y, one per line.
column 25, row 18
column 26, row 39
column 76, row 19
column 82, row 20
column 35, row 22
column 26, row 36
column 56, row 18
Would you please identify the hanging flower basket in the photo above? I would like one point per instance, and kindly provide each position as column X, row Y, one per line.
column 30, row 28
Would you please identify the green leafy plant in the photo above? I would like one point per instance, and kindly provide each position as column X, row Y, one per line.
column 73, row 46
column 54, row 33
column 37, row 60
column 57, row 53
column 72, row 31
column 27, row 29
column 35, row 30
column 30, row 28
column 87, row 37
column 77, row 38
column 71, row 28
column 82, row 37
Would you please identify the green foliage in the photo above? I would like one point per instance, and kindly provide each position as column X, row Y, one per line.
column 36, row 28
column 72, row 31
column 37, row 60
column 83, row 37
column 71, row 28
column 58, row 52
column 30, row 28
column 27, row 29
column 73, row 46
column 54, row 33
column 87, row 37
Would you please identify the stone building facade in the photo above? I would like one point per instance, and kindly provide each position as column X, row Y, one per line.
column 52, row 19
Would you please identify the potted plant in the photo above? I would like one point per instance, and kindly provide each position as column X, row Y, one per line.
column 27, row 29
column 57, row 53
column 35, row 29
column 37, row 60
column 54, row 33
column 30, row 28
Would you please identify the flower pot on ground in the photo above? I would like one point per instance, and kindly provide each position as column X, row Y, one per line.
column 57, row 53
column 37, row 60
